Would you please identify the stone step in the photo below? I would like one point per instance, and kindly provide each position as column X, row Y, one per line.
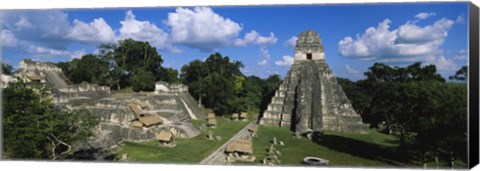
column 275, row 107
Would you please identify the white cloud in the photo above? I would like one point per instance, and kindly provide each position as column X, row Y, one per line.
column 445, row 64
column 462, row 51
column 247, row 71
column 23, row 23
column 265, row 56
column 460, row 57
column 7, row 39
column 411, row 33
column 350, row 70
column 46, row 28
column 263, row 62
column 286, row 61
column 145, row 31
column 254, row 38
column 42, row 32
column 374, row 43
column 96, row 32
column 201, row 28
column 408, row 43
column 39, row 51
column 273, row 72
column 460, row 19
column 292, row 42
column 424, row 15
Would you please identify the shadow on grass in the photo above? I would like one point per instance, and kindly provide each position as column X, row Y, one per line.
column 390, row 155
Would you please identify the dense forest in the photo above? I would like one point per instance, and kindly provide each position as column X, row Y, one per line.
column 416, row 103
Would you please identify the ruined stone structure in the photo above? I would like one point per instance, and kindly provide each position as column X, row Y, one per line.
column 162, row 86
column 118, row 121
column 310, row 99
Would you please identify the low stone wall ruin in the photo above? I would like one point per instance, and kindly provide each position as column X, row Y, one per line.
column 84, row 88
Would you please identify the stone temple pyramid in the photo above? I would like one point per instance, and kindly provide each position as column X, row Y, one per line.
column 310, row 99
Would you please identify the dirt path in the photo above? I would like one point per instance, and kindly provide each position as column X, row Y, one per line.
column 218, row 157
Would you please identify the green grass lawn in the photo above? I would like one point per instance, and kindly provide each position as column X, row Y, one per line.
column 190, row 151
column 295, row 150
column 341, row 149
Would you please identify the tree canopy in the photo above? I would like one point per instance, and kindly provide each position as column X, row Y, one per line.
column 460, row 75
column 219, row 84
column 127, row 63
column 7, row 69
column 416, row 103
column 34, row 128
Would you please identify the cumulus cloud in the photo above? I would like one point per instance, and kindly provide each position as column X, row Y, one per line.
column 201, row 28
column 292, row 42
column 445, row 64
column 408, row 43
column 424, row 15
column 350, row 70
column 96, row 32
column 411, row 33
column 286, row 61
column 42, row 32
column 254, row 38
column 145, row 31
column 7, row 39
column 39, row 51
column 42, row 27
column 374, row 43
column 48, row 32
column 23, row 23
column 265, row 56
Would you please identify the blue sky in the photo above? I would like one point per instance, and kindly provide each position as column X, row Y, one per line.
column 354, row 35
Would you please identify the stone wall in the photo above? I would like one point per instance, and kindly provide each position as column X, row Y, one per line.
column 79, row 88
column 165, row 87
column 29, row 65
column 5, row 79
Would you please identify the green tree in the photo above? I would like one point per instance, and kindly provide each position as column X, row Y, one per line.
column 379, row 77
column 7, row 69
column 269, row 87
column 215, row 80
column 129, row 57
column 442, row 125
column 89, row 69
column 168, row 75
column 252, row 93
column 143, row 81
column 192, row 75
column 34, row 129
column 359, row 98
column 460, row 75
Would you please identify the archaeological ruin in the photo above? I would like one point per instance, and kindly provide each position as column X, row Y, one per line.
column 309, row 99
column 123, row 117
